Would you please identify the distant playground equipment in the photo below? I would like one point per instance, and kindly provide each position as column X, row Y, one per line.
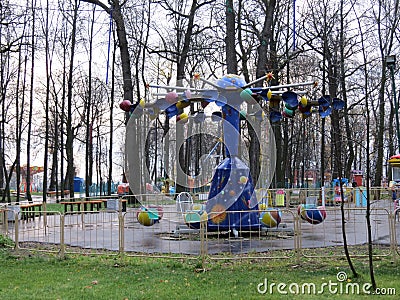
column 33, row 170
column 337, row 190
column 394, row 162
column 394, row 185
column 232, row 203
column 356, row 178
column 123, row 189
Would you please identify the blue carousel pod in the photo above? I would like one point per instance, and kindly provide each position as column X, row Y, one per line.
column 324, row 101
column 324, row 111
column 289, row 111
column 171, row 111
column 290, row 98
column 337, row 104
column 275, row 116
column 247, row 95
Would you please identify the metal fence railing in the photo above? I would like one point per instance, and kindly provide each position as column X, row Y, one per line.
column 116, row 230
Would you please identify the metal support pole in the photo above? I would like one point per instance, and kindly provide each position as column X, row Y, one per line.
column 62, row 235
column 16, row 230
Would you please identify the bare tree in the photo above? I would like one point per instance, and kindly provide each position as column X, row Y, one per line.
column 30, row 113
column 69, row 145
column 387, row 23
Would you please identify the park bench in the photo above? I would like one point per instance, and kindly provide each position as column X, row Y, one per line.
column 93, row 205
column 56, row 193
column 28, row 211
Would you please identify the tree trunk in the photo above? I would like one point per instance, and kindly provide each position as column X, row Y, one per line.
column 48, row 74
column 112, row 96
column 180, row 75
column 115, row 11
column 69, row 146
column 89, row 144
column 30, row 114
column 230, row 38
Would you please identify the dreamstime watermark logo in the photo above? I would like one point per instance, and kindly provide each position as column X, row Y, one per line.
column 341, row 286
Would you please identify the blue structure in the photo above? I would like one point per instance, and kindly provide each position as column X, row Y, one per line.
column 79, row 185
column 232, row 191
column 232, row 203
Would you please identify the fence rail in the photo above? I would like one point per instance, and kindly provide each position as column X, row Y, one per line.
column 116, row 231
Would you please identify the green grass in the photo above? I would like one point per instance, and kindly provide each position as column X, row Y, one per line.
column 55, row 207
column 41, row 276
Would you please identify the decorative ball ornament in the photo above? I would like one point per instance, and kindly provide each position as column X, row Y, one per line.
column 303, row 101
column 143, row 218
column 311, row 213
column 269, row 94
column 142, row 103
column 188, row 94
column 125, row 105
column 218, row 213
column 182, row 104
column 246, row 95
column 171, row 97
column 183, row 118
column 243, row 179
column 271, row 217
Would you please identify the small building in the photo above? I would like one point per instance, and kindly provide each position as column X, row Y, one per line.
column 357, row 177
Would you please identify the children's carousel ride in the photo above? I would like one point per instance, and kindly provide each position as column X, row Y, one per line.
column 232, row 203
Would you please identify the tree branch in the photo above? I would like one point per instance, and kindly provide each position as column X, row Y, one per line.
column 99, row 3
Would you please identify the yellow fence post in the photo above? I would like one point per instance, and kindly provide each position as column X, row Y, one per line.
column 203, row 242
column 121, row 228
column 297, row 238
column 16, row 230
column 62, row 235
column 393, row 241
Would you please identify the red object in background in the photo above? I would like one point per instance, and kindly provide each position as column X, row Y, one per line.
column 123, row 189
column 125, row 105
column 394, row 160
column 358, row 179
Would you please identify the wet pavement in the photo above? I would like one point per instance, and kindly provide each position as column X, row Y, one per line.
column 101, row 230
